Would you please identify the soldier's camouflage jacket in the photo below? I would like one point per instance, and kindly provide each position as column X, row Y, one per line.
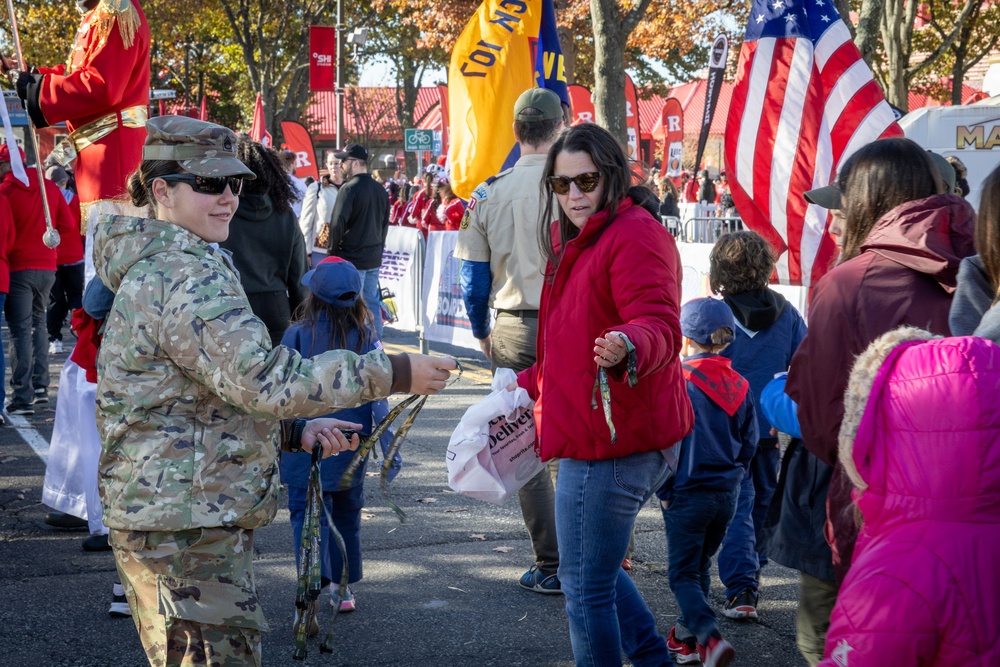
column 189, row 392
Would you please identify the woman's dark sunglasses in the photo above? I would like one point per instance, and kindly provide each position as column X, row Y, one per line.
column 207, row 185
column 586, row 182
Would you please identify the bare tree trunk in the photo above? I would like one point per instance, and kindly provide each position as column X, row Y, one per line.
column 569, row 54
column 897, row 30
column 611, row 31
column 958, row 70
column 866, row 36
column 609, row 68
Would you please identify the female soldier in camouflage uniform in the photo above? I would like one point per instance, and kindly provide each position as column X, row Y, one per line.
column 189, row 397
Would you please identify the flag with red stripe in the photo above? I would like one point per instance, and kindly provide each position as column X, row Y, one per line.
column 803, row 102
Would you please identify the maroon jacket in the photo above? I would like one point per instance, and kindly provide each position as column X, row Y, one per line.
column 628, row 279
column 905, row 275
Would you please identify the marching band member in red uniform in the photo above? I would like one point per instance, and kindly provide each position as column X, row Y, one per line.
column 103, row 95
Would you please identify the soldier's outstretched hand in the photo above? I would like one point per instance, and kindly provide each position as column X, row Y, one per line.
column 429, row 374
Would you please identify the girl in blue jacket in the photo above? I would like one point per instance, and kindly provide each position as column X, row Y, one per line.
column 335, row 317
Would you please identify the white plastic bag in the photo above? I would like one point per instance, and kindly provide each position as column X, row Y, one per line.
column 491, row 454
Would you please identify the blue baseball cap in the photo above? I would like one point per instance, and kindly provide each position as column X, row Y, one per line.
column 334, row 281
column 700, row 318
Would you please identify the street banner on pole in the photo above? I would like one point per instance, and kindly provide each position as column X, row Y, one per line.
column 258, row 130
column 673, row 138
column 582, row 104
column 322, row 58
column 632, row 117
column 803, row 102
column 716, row 69
column 300, row 143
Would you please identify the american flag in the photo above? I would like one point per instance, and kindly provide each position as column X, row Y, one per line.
column 803, row 102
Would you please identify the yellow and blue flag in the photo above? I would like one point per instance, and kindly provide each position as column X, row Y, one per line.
column 507, row 47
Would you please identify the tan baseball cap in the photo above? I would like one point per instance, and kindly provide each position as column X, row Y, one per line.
column 201, row 148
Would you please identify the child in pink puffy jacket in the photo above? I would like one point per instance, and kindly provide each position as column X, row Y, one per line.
column 921, row 442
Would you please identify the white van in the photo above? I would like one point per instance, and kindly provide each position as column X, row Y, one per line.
column 969, row 132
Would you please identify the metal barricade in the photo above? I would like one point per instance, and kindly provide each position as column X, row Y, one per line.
column 673, row 225
column 708, row 230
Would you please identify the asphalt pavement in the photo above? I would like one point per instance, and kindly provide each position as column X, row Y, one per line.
column 440, row 589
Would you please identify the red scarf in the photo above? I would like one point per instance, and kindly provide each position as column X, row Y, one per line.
column 715, row 376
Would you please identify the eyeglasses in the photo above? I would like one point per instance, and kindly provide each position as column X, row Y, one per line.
column 207, row 185
column 586, row 182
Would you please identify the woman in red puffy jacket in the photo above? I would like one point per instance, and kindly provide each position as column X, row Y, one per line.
column 610, row 399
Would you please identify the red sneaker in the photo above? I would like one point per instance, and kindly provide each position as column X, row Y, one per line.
column 717, row 653
column 683, row 652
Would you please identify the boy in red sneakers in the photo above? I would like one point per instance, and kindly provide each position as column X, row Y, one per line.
column 699, row 500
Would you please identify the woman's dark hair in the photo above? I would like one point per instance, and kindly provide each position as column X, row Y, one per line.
column 988, row 230
column 313, row 313
column 407, row 192
column 666, row 185
column 878, row 178
column 139, row 181
column 740, row 261
column 611, row 161
column 445, row 190
column 272, row 179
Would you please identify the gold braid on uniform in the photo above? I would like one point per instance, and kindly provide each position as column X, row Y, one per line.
column 109, row 12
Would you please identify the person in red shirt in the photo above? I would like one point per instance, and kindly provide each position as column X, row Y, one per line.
column 452, row 207
column 67, row 292
column 6, row 241
column 32, row 273
column 420, row 200
column 690, row 188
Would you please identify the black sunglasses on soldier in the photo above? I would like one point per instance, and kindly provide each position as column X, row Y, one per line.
column 207, row 185
column 586, row 182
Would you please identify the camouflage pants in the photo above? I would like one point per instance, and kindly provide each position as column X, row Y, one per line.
column 192, row 595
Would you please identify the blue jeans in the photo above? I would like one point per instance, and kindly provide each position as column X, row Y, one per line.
column 596, row 506
column 696, row 522
column 369, row 292
column 738, row 562
column 345, row 508
column 25, row 310
column 3, row 365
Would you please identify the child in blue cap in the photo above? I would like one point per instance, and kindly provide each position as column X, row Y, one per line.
column 699, row 500
column 333, row 317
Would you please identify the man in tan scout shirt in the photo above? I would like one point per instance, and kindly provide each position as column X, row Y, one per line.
column 502, row 267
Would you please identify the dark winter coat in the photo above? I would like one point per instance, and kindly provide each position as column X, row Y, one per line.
column 270, row 254
column 360, row 222
column 905, row 275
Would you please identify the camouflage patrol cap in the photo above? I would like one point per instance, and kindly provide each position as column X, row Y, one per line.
column 201, row 148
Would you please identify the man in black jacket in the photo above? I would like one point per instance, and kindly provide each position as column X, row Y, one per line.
column 360, row 223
